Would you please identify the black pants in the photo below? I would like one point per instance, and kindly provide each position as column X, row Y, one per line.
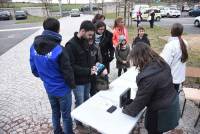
column 138, row 22
column 151, row 122
column 107, row 65
column 120, row 71
column 151, row 23
column 93, row 89
column 176, row 86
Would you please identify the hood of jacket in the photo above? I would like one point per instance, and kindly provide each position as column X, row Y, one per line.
column 151, row 69
column 44, row 43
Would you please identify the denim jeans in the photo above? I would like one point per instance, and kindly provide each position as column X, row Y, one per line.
column 81, row 93
column 61, row 106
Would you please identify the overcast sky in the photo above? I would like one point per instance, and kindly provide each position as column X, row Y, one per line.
column 63, row 1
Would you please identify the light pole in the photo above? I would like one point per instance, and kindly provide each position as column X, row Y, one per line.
column 60, row 7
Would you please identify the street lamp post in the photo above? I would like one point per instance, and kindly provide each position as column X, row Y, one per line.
column 60, row 7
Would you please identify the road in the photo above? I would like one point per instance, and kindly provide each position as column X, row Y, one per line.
column 11, row 33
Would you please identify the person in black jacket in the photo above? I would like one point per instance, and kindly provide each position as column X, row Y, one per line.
column 79, row 53
column 103, row 38
column 95, row 55
column 151, row 21
column 155, row 91
column 141, row 37
column 51, row 64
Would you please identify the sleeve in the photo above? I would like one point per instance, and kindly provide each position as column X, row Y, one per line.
column 134, row 42
column 167, row 54
column 128, row 52
column 32, row 64
column 148, row 42
column 143, row 97
column 115, row 38
column 117, row 55
column 66, row 69
column 111, row 48
column 77, row 68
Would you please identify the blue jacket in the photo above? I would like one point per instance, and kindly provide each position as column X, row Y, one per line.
column 49, row 62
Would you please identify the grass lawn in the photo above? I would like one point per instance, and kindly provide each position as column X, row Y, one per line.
column 110, row 15
column 32, row 19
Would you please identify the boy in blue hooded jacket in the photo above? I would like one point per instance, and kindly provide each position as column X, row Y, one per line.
column 51, row 64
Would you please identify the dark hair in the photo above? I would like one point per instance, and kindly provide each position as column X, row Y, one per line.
column 117, row 20
column 140, row 28
column 87, row 26
column 100, row 24
column 97, row 17
column 51, row 24
column 177, row 31
column 142, row 54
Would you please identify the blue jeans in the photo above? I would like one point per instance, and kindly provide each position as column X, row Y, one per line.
column 81, row 93
column 61, row 106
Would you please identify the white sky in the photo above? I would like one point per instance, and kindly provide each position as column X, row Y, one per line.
column 63, row 1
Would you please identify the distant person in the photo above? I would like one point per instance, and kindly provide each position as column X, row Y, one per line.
column 138, row 17
column 79, row 53
column 175, row 54
column 51, row 64
column 118, row 30
column 121, row 54
column 141, row 37
column 152, row 18
column 155, row 91
column 103, row 39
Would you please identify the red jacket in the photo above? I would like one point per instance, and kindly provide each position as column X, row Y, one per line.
column 116, row 33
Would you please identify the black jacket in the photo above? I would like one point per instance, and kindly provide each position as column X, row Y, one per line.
column 79, row 54
column 155, row 89
column 95, row 54
column 106, row 47
column 45, row 43
column 143, row 39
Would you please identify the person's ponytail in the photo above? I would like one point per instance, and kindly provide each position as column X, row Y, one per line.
column 183, row 46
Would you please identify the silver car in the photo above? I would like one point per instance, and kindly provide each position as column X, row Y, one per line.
column 75, row 13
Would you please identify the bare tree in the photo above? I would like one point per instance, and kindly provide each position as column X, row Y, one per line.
column 46, row 4
column 4, row 3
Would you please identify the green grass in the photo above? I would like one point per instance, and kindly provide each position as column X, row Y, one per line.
column 33, row 19
column 110, row 15
column 53, row 7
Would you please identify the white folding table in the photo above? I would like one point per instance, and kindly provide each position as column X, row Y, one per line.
column 94, row 113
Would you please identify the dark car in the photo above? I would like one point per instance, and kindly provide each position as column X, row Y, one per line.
column 5, row 15
column 195, row 12
column 20, row 15
column 87, row 8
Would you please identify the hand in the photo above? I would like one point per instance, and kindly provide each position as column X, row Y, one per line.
column 124, row 62
column 93, row 70
column 105, row 72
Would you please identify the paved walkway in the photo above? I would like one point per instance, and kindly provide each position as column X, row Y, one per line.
column 24, row 107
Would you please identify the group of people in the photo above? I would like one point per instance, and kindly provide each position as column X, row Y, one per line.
column 75, row 68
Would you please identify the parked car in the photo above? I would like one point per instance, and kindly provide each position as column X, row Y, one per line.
column 20, row 15
column 87, row 8
column 145, row 14
column 170, row 12
column 194, row 12
column 75, row 13
column 197, row 22
column 5, row 15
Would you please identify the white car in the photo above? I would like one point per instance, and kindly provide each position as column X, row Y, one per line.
column 75, row 13
column 170, row 12
column 197, row 21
